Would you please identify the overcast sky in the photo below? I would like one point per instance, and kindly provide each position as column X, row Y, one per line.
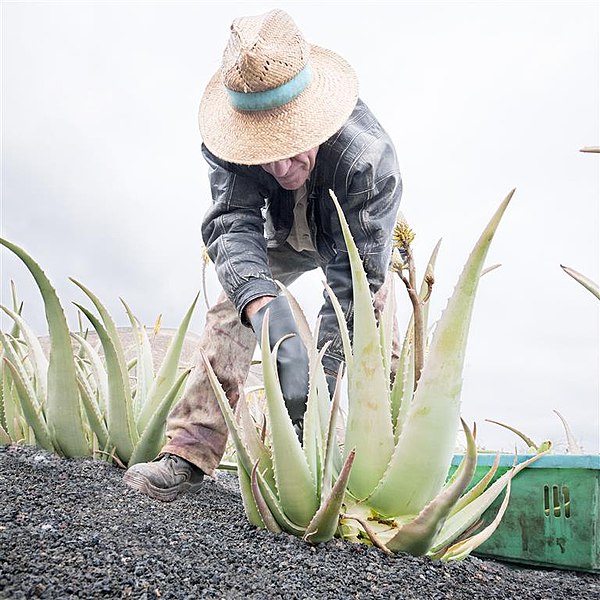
column 103, row 179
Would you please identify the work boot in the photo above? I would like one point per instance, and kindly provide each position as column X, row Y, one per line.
column 164, row 478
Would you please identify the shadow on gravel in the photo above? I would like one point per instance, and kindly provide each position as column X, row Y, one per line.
column 71, row 529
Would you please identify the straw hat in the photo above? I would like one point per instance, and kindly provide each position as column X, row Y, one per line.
column 276, row 95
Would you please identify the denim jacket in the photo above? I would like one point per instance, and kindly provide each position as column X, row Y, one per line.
column 251, row 212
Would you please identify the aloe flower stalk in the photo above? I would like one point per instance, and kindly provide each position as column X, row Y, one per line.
column 386, row 484
column 77, row 402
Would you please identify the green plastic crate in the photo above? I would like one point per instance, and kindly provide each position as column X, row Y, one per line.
column 552, row 519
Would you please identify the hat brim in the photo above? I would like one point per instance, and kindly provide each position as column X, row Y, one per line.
column 260, row 137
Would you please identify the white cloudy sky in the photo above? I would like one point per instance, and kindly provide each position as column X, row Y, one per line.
column 103, row 180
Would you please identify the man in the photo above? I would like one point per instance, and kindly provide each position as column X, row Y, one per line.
column 282, row 124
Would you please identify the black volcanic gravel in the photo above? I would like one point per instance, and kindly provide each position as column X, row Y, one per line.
column 72, row 529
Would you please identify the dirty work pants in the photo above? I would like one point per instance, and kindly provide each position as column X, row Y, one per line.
column 195, row 429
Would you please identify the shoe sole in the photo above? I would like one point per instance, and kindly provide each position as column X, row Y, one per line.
column 163, row 494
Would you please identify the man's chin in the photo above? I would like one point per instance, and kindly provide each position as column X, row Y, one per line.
column 292, row 185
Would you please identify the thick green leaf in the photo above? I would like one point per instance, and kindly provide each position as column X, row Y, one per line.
column 97, row 367
column 30, row 409
column 115, row 338
column 167, row 371
column 4, row 437
column 243, row 455
column 403, row 388
column 144, row 374
column 462, row 520
column 386, row 328
column 119, row 400
column 252, row 441
column 63, row 411
column 265, row 512
column 462, row 549
column 36, row 355
column 313, row 442
column 90, row 405
column 323, row 526
column 343, row 326
column 303, row 327
column 331, row 448
column 250, row 507
column 369, row 427
column 296, row 487
column 425, row 448
column 417, row 536
column 9, row 402
column 152, row 439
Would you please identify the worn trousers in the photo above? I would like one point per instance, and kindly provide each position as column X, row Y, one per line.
column 196, row 429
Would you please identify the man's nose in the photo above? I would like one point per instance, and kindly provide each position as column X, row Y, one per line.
column 281, row 167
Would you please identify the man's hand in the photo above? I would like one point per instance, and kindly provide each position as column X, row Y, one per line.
column 292, row 358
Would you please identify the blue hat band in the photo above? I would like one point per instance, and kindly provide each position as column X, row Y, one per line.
column 255, row 101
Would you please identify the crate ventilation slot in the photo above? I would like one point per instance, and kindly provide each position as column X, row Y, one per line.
column 557, row 501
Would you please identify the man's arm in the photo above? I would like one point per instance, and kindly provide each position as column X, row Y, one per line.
column 233, row 231
column 370, row 204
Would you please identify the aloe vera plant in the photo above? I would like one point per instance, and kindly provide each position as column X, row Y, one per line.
column 77, row 402
column 386, row 482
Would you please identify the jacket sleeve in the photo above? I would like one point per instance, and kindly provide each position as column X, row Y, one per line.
column 370, row 203
column 233, row 231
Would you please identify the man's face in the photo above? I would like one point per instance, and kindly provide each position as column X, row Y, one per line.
column 291, row 173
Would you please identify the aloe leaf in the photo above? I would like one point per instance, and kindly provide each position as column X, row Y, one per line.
column 462, row 520
column 478, row 488
column 343, row 326
column 586, row 282
column 462, row 549
column 277, row 510
column 572, row 445
column 386, row 328
column 4, row 437
column 95, row 420
column 115, row 338
column 530, row 443
column 369, row 427
column 324, row 524
column 98, row 370
column 36, row 354
column 243, row 455
column 313, row 431
column 416, row 537
column 425, row 447
column 248, row 501
column 301, row 321
column 167, row 371
column 30, row 408
column 265, row 513
column 331, row 447
column 9, row 406
column 144, row 364
column 403, row 388
column 63, row 412
column 11, row 353
column 152, row 438
column 251, row 440
column 119, row 404
column 107, row 320
column 295, row 485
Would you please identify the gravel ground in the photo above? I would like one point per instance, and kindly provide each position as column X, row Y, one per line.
column 71, row 529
